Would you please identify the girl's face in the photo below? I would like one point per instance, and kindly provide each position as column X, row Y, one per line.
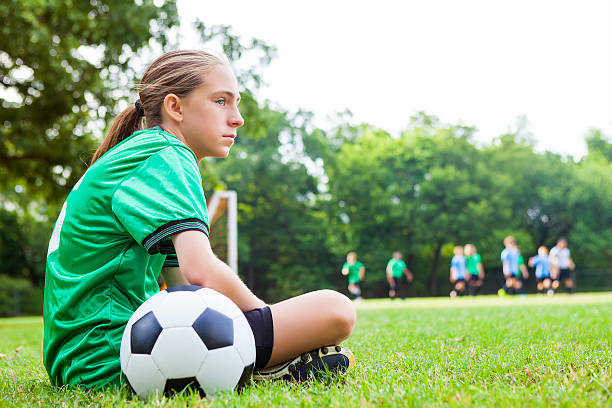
column 210, row 114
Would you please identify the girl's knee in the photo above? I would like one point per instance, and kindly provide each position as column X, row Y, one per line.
column 342, row 313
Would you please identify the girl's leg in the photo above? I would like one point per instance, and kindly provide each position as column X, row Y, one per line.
column 310, row 321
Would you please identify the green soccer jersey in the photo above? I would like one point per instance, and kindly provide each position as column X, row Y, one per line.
column 472, row 262
column 397, row 267
column 520, row 261
column 353, row 275
column 108, row 248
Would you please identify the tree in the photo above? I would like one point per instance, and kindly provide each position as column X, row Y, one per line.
column 62, row 66
column 599, row 145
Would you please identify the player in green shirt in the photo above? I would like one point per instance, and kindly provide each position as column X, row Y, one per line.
column 475, row 269
column 140, row 201
column 355, row 271
column 396, row 269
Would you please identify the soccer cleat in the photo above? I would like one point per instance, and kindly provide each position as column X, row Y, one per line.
column 330, row 359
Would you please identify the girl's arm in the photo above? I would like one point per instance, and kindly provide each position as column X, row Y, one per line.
column 361, row 272
column 523, row 269
column 480, row 270
column 201, row 267
column 389, row 275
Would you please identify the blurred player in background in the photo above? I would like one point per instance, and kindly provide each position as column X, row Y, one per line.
column 522, row 273
column 510, row 265
column 458, row 272
column 562, row 265
column 475, row 269
column 396, row 268
column 541, row 264
column 355, row 272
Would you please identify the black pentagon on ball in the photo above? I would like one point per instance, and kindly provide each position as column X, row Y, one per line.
column 215, row 329
column 184, row 288
column 144, row 334
column 245, row 378
column 176, row 385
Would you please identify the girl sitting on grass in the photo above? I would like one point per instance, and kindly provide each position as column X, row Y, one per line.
column 141, row 201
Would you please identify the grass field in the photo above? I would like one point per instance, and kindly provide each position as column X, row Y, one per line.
column 487, row 351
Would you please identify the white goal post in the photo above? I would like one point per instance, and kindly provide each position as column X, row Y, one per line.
column 224, row 204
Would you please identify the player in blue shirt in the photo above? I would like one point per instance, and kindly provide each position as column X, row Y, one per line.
column 458, row 272
column 510, row 266
column 541, row 263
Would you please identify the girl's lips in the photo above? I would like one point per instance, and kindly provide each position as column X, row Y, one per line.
column 230, row 136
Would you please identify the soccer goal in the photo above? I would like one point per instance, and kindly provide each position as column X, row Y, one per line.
column 223, row 218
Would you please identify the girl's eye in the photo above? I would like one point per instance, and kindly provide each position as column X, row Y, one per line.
column 220, row 102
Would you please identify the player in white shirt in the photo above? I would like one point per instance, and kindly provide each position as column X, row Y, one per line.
column 562, row 265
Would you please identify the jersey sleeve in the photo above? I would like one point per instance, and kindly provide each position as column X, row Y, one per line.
column 477, row 259
column 161, row 198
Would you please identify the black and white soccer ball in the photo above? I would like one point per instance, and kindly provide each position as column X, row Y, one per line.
column 187, row 336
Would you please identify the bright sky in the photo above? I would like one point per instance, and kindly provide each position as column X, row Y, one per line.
column 482, row 63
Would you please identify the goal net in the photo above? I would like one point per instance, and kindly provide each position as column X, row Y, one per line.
column 223, row 219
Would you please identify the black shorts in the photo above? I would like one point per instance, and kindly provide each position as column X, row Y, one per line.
column 473, row 278
column 565, row 273
column 261, row 323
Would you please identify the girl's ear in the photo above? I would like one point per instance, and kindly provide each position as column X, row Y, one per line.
column 172, row 108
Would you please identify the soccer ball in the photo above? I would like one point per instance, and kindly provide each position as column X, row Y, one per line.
column 187, row 336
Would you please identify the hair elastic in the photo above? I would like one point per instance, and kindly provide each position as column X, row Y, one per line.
column 139, row 108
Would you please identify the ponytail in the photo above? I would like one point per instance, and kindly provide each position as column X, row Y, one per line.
column 128, row 122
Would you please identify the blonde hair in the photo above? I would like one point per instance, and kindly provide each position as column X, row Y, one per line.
column 470, row 248
column 176, row 72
